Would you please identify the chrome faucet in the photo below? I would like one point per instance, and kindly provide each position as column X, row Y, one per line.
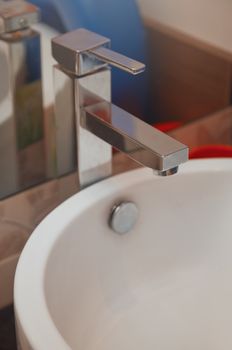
column 88, row 124
column 22, row 153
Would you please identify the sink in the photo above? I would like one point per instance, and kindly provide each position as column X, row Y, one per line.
column 164, row 285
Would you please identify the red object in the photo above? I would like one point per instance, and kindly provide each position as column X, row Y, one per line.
column 211, row 151
column 206, row 151
column 167, row 126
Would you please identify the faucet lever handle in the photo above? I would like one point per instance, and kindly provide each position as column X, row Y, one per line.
column 117, row 60
column 82, row 52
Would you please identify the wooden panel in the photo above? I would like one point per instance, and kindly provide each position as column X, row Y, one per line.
column 215, row 129
column 187, row 81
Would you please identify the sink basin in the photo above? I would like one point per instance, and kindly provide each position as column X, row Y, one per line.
column 164, row 285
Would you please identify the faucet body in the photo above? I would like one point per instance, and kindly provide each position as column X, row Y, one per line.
column 76, row 147
column 22, row 154
column 88, row 124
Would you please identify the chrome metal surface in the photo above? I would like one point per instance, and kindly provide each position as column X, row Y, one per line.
column 71, row 49
column 22, row 151
column 16, row 15
column 81, row 52
column 66, row 142
column 88, row 124
column 117, row 60
column 123, row 217
column 77, row 148
column 146, row 145
column 167, row 172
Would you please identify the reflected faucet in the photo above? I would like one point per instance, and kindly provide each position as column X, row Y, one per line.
column 22, row 150
column 89, row 125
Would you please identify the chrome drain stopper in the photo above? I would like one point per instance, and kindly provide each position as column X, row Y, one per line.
column 123, row 217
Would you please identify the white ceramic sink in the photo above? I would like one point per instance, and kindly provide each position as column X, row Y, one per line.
column 165, row 285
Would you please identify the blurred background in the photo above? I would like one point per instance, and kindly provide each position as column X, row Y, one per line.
column 186, row 46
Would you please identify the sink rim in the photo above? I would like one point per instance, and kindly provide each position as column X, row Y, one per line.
column 28, row 288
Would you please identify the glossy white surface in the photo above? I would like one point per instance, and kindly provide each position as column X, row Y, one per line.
column 165, row 285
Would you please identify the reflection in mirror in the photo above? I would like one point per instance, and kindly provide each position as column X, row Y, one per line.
column 22, row 149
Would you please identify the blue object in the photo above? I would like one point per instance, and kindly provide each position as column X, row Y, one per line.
column 118, row 20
